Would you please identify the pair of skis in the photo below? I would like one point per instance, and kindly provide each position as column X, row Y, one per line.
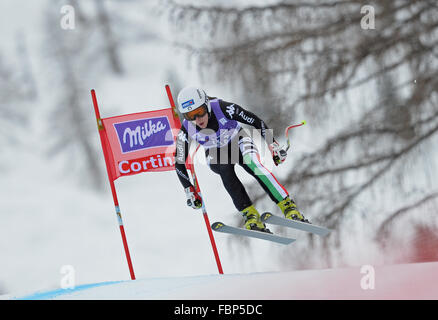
column 272, row 219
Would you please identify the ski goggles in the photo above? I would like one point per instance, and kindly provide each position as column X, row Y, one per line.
column 198, row 112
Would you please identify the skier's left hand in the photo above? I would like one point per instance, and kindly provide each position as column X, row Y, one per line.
column 279, row 153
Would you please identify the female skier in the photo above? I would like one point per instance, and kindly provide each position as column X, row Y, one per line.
column 215, row 124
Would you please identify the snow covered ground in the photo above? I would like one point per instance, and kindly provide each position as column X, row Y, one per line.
column 405, row 281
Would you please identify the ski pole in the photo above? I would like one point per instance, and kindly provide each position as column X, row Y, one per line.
column 191, row 168
column 276, row 158
column 286, row 133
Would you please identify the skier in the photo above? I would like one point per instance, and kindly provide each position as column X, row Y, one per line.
column 215, row 124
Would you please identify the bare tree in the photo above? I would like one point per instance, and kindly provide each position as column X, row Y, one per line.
column 314, row 54
column 80, row 57
column 70, row 119
column 111, row 47
column 28, row 82
column 15, row 95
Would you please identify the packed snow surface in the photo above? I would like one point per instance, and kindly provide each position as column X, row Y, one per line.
column 405, row 281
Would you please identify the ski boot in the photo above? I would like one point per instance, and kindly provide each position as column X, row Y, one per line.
column 252, row 220
column 290, row 210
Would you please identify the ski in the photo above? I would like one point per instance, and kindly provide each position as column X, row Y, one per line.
column 221, row 227
column 268, row 217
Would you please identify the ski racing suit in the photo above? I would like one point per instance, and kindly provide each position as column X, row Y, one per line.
column 226, row 143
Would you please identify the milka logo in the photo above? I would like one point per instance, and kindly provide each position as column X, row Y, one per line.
column 142, row 134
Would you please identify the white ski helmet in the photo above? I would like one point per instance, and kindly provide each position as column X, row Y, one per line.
column 191, row 98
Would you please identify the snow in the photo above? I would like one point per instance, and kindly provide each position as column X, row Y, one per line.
column 404, row 281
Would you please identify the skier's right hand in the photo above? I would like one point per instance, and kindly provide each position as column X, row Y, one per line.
column 193, row 198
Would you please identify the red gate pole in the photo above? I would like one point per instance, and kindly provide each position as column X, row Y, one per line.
column 111, row 181
column 190, row 167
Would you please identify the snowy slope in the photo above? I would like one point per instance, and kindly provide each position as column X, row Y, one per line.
column 406, row 281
